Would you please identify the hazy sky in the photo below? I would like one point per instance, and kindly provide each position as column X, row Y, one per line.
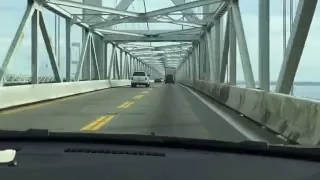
column 11, row 13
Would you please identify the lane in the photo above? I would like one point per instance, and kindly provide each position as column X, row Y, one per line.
column 70, row 114
column 162, row 109
column 171, row 110
column 239, row 122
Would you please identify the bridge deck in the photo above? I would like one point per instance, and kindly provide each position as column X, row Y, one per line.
column 165, row 109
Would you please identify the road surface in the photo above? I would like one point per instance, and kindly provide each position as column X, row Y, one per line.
column 163, row 109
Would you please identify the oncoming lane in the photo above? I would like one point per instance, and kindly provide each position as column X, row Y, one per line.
column 69, row 114
column 162, row 109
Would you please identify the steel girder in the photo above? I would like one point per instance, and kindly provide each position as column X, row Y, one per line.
column 109, row 35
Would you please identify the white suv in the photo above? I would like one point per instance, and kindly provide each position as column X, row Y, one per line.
column 140, row 78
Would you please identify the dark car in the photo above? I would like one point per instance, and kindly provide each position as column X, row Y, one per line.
column 169, row 79
column 157, row 80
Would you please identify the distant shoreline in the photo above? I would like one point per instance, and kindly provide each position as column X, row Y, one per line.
column 299, row 83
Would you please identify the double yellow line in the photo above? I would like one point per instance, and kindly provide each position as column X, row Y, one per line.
column 98, row 123
column 138, row 97
column 126, row 105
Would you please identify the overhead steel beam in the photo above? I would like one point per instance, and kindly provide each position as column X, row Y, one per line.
column 144, row 16
column 122, row 5
column 159, row 58
column 180, row 7
column 186, row 13
column 178, row 22
column 126, row 45
column 172, row 38
column 150, row 32
column 184, row 31
column 91, row 7
column 119, row 32
column 153, row 20
column 221, row 10
column 153, row 63
column 146, row 56
column 110, row 23
column 154, row 32
column 151, row 56
column 159, row 53
column 143, row 20
column 160, row 47
column 60, row 11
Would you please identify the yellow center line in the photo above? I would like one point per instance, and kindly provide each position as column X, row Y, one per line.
column 102, row 122
column 123, row 105
column 138, row 96
column 145, row 92
column 128, row 105
column 98, row 123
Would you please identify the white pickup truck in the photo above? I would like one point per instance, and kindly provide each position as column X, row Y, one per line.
column 140, row 78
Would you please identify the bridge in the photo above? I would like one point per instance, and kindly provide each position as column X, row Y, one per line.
column 75, row 74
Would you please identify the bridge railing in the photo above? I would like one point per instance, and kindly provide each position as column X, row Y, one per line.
column 296, row 119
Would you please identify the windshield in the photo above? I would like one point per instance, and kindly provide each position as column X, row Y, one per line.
column 139, row 74
column 70, row 68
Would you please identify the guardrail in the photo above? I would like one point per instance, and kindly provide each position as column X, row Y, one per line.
column 11, row 96
column 294, row 118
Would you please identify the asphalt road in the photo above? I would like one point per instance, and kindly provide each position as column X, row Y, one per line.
column 163, row 109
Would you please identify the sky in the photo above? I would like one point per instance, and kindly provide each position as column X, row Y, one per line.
column 11, row 13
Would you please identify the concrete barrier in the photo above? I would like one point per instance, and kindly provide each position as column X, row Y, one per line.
column 19, row 95
column 297, row 119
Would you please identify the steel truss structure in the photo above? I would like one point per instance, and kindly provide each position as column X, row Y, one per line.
column 207, row 61
column 199, row 47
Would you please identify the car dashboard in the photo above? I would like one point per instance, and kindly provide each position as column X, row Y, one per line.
column 42, row 160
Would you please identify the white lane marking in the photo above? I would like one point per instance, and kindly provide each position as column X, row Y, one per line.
column 240, row 128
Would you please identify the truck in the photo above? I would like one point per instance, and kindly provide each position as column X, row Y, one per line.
column 170, row 70
column 169, row 74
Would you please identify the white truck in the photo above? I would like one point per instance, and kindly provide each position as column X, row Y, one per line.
column 140, row 78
